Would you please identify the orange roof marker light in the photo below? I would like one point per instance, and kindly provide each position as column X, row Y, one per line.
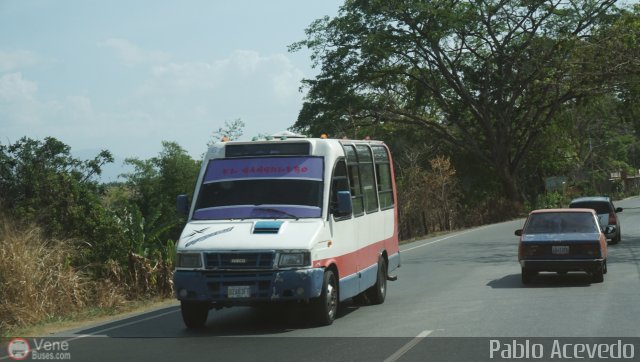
column 367, row 138
column 323, row 136
column 224, row 139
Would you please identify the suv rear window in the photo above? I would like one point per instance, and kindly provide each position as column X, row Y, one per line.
column 600, row 207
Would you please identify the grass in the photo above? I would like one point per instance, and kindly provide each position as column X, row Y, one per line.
column 38, row 282
column 41, row 289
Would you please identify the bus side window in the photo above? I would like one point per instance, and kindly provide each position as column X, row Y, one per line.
column 383, row 175
column 357, row 198
column 339, row 182
column 368, row 180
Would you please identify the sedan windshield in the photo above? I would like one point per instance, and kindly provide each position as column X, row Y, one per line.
column 262, row 188
column 561, row 222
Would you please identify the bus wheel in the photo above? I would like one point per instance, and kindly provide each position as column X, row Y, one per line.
column 194, row 314
column 378, row 292
column 361, row 299
column 325, row 307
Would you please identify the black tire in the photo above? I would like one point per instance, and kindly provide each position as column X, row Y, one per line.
column 360, row 299
column 527, row 276
column 194, row 314
column 617, row 238
column 325, row 307
column 597, row 276
column 378, row 292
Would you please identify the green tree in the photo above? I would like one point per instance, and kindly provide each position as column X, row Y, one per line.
column 588, row 140
column 487, row 77
column 42, row 184
column 151, row 217
column 232, row 131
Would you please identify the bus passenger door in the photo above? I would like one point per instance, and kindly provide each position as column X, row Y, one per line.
column 344, row 234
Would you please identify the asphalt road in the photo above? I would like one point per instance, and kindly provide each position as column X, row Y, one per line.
column 450, row 288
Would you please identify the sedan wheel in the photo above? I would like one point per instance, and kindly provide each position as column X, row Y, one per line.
column 527, row 276
column 598, row 275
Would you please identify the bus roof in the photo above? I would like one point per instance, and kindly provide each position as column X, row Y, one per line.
column 283, row 146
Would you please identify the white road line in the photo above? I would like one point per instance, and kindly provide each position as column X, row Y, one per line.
column 96, row 334
column 445, row 238
column 404, row 349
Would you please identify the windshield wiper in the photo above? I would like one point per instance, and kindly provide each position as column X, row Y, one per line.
column 277, row 210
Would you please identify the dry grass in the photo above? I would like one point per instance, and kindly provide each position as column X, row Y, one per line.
column 148, row 278
column 37, row 281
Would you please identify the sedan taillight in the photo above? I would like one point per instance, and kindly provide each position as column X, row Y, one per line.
column 528, row 250
column 593, row 250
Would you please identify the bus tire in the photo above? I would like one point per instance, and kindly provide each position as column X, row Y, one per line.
column 325, row 307
column 361, row 299
column 194, row 314
column 378, row 292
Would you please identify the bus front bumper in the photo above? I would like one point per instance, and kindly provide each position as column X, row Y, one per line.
column 247, row 287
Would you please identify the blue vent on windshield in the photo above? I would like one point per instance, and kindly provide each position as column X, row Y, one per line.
column 267, row 227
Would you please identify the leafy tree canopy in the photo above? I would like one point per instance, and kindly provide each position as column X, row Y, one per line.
column 42, row 183
column 487, row 77
column 155, row 183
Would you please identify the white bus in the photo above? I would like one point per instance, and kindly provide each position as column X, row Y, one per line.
column 292, row 219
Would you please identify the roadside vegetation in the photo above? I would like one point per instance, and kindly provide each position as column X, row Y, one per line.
column 68, row 242
column 490, row 109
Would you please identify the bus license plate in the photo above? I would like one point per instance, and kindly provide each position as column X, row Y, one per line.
column 560, row 249
column 236, row 291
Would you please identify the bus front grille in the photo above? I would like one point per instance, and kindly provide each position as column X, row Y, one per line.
column 264, row 260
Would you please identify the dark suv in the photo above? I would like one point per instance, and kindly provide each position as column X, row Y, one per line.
column 607, row 213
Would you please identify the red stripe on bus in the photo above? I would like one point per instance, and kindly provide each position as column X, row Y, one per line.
column 360, row 259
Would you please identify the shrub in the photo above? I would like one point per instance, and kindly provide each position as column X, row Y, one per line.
column 36, row 279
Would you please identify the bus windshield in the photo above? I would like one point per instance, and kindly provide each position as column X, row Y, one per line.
column 261, row 188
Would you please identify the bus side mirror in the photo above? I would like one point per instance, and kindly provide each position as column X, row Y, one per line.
column 344, row 206
column 182, row 205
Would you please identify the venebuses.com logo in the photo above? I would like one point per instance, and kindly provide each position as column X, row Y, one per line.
column 20, row 349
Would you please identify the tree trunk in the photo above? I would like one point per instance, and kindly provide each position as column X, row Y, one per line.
column 511, row 191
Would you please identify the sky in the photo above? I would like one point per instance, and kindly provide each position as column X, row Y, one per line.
column 126, row 75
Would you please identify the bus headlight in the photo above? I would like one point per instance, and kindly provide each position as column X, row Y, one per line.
column 189, row 260
column 297, row 259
